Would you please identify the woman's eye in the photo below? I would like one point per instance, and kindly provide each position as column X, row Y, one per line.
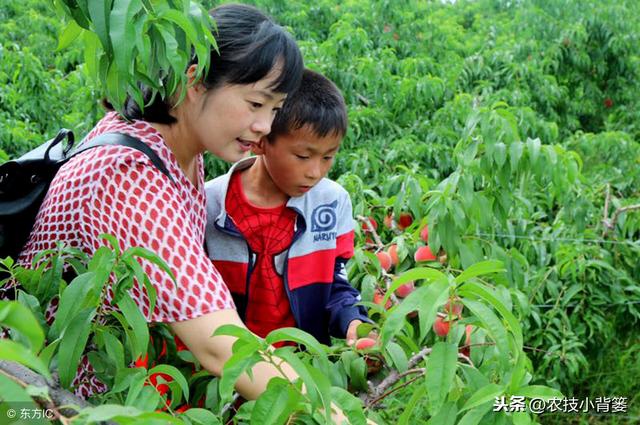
column 255, row 105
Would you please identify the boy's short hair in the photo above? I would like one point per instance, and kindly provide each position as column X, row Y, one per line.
column 317, row 104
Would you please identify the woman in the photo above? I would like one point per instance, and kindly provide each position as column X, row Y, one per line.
column 116, row 190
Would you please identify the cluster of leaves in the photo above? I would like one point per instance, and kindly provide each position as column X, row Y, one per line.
column 114, row 340
column 167, row 36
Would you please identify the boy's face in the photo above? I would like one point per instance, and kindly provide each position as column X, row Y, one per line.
column 297, row 161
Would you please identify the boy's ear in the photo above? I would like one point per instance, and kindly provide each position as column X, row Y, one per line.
column 258, row 148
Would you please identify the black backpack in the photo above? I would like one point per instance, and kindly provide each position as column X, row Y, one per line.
column 24, row 182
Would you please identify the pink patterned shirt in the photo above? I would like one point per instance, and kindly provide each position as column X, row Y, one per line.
column 117, row 190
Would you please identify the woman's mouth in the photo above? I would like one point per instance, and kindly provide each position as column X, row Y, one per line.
column 245, row 145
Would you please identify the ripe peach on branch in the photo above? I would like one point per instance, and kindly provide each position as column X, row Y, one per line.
column 385, row 260
column 453, row 307
column 365, row 343
column 378, row 297
column 441, row 327
column 424, row 254
column 393, row 253
column 405, row 220
column 424, row 234
column 405, row 289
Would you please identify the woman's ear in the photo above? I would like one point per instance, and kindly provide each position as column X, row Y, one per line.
column 258, row 147
column 193, row 86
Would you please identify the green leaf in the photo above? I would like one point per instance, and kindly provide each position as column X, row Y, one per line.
column 99, row 13
column 114, row 349
column 239, row 332
column 539, row 391
column 12, row 351
column 480, row 269
column 515, row 153
column 364, row 329
column 445, row 416
column 499, row 154
column 175, row 374
column 182, row 22
column 482, row 292
column 236, row 365
column 81, row 293
column 533, row 148
column 350, row 405
column 69, row 35
column 493, row 325
column 397, row 356
column 483, row 395
column 47, row 352
column 418, row 273
column 121, row 32
column 474, row 416
column 74, row 340
column 108, row 412
column 136, row 320
column 358, row 373
column 276, row 404
column 302, row 370
column 426, row 299
column 440, row 371
column 301, row 337
column 521, row 418
column 324, row 391
column 202, row 416
column 19, row 318
column 14, row 396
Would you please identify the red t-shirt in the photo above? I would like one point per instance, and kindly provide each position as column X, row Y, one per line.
column 268, row 231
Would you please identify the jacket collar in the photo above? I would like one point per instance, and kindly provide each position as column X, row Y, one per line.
column 295, row 203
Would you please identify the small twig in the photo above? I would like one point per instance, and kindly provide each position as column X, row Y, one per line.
column 607, row 224
column 388, row 282
column 388, row 393
column 59, row 396
column 605, row 218
column 230, row 405
column 418, row 357
column 370, row 228
column 616, row 214
column 363, row 99
column 394, row 377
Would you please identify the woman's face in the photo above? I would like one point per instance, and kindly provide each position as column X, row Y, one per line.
column 229, row 119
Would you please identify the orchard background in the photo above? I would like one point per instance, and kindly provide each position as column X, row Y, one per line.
column 509, row 128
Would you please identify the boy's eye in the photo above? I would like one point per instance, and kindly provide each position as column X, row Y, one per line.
column 328, row 158
column 302, row 157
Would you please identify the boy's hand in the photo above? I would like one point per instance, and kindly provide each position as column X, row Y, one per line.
column 352, row 332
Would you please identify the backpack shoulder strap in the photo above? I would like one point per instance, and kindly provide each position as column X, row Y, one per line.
column 120, row 139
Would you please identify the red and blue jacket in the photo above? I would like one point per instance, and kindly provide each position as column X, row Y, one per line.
column 313, row 267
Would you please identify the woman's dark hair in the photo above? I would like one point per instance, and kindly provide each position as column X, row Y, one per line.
column 317, row 104
column 250, row 44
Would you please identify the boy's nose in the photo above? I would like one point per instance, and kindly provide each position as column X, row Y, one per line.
column 314, row 170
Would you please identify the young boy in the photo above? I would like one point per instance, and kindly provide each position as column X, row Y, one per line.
column 279, row 232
